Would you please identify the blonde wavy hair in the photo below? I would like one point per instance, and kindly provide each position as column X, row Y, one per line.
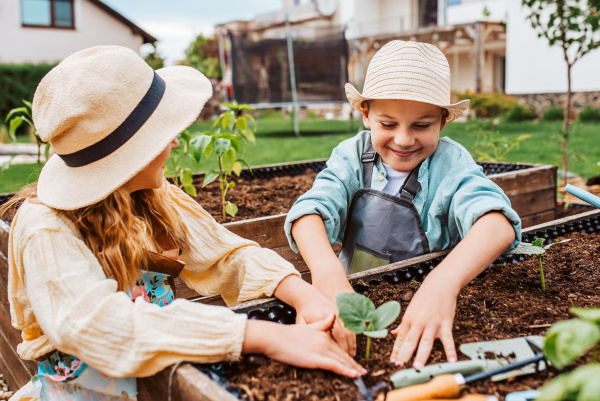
column 110, row 228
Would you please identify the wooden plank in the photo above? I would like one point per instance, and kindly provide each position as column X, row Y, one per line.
column 524, row 181
column 21, row 370
column 562, row 221
column 538, row 218
column 266, row 231
column 534, row 202
column 4, row 234
column 155, row 387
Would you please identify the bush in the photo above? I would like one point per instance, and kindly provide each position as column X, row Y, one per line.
column 520, row 112
column 489, row 105
column 589, row 113
column 553, row 113
column 17, row 82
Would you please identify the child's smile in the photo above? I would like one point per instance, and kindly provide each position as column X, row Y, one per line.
column 404, row 132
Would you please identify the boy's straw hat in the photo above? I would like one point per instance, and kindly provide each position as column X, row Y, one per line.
column 409, row 71
column 108, row 115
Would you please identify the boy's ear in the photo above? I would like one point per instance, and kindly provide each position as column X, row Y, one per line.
column 445, row 114
column 365, row 112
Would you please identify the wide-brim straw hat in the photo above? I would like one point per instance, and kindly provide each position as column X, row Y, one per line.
column 108, row 115
column 408, row 71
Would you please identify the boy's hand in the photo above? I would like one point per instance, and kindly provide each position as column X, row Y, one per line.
column 430, row 315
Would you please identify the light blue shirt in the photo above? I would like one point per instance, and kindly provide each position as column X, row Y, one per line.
column 454, row 193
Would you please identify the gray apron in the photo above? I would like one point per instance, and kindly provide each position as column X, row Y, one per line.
column 382, row 228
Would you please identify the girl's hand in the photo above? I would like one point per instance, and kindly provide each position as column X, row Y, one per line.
column 316, row 307
column 430, row 315
column 303, row 345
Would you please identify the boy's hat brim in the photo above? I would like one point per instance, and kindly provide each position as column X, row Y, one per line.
column 68, row 188
column 356, row 99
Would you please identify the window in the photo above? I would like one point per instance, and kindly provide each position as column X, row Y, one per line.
column 48, row 13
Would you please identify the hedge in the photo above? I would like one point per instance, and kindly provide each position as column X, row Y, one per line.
column 17, row 82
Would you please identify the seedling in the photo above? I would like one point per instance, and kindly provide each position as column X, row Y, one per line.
column 360, row 316
column 536, row 248
column 182, row 176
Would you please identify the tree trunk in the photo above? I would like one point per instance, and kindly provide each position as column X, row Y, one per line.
column 565, row 141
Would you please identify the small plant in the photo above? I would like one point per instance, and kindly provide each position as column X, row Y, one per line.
column 360, row 316
column 566, row 342
column 490, row 146
column 16, row 117
column 536, row 248
column 520, row 112
column 553, row 113
column 589, row 113
column 182, row 176
column 229, row 143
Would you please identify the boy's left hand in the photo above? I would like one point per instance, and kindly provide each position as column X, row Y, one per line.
column 430, row 315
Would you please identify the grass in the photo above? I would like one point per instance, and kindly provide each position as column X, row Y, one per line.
column 276, row 143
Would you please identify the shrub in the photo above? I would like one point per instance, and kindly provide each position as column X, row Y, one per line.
column 553, row 113
column 18, row 82
column 489, row 105
column 520, row 112
column 589, row 113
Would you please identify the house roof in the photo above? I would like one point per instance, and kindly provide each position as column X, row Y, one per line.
column 134, row 28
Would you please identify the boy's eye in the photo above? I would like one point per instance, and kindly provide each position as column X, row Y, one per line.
column 388, row 125
column 422, row 126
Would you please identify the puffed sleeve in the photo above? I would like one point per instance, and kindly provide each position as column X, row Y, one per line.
column 221, row 262
column 81, row 312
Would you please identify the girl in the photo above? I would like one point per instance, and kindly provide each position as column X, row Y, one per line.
column 102, row 229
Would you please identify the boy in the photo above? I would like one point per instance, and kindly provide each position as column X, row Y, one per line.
column 399, row 191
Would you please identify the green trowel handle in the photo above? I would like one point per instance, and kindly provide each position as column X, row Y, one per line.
column 408, row 377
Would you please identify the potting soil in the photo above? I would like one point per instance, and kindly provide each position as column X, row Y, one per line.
column 505, row 302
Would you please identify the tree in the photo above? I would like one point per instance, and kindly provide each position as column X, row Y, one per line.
column 573, row 25
column 203, row 55
column 154, row 59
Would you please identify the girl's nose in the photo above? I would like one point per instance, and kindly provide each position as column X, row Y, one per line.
column 174, row 143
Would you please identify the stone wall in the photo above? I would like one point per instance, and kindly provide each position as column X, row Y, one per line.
column 540, row 101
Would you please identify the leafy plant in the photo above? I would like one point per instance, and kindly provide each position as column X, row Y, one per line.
column 490, row 146
column 589, row 113
column 229, row 143
column 536, row 248
column 203, row 55
column 360, row 316
column 572, row 25
column 15, row 118
column 566, row 342
column 182, row 176
column 488, row 105
column 520, row 112
column 553, row 113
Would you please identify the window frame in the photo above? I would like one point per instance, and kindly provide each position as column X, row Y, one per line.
column 52, row 17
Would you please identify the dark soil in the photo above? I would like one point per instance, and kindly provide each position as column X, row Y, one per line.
column 504, row 303
column 258, row 197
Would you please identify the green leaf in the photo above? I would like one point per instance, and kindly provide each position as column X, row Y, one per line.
column 588, row 379
column 28, row 104
column 237, row 168
column 230, row 119
column 224, row 117
column 230, row 184
column 231, row 209
column 185, row 135
column 249, row 135
column 186, row 176
column 376, row 334
column 355, row 311
column 191, row 190
column 210, row 177
column 557, row 243
column 386, row 314
column 222, row 145
column 245, row 164
column 527, row 249
column 12, row 128
column 209, row 148
column 198, row 145
column 47, row 151
column 17, row 110
column 591, row 315
column 228, row 160
column 251, row 117
column 566, row 341
column 539, row 242
column 217, row 121
column 556, row 390
column 241, row 123
column 246, row 107
column 229, row 105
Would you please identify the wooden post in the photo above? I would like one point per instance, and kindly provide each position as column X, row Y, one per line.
column 478, row 56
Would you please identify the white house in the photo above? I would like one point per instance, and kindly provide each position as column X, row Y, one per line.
column 50, row 30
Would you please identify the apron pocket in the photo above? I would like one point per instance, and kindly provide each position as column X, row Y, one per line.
column 365, row 258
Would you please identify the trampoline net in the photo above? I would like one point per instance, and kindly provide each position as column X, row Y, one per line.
column 261, row 74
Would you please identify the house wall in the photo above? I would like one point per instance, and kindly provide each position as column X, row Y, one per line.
column 93, row 27
column 534, row 67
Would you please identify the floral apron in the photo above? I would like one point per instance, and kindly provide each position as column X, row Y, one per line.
column 67, row 378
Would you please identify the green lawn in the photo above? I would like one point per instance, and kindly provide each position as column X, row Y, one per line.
column 276, row 143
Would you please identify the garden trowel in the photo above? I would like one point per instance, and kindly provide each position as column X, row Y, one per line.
column 486, row 355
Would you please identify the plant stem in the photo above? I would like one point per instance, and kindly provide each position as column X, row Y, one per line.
column 539, row 257
column 175, row 170
column 368, row 348
column 223, row 189
column 595, row 353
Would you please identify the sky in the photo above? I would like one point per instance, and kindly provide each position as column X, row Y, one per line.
column 175, row 23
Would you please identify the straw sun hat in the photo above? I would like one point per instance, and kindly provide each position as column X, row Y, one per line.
column 108, row 115
column 409, row 71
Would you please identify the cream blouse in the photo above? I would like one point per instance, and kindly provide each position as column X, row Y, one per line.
column 60, row 297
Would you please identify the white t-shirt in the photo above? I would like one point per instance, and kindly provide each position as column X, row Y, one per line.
column 395, row 180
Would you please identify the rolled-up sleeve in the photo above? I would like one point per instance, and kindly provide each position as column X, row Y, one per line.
column 81, row 312
column 474, row 195
column 221, row 262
